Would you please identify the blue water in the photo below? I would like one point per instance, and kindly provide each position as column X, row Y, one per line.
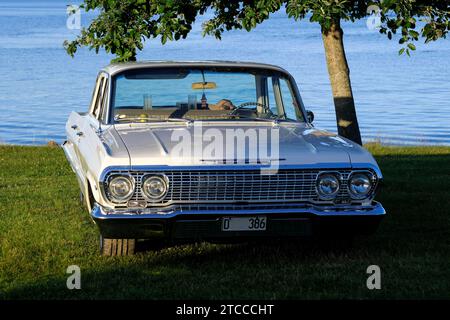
column 399, row 100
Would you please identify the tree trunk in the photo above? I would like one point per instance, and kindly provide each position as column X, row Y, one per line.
column 347, row 122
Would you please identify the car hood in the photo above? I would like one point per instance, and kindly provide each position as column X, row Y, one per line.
column 287, row 143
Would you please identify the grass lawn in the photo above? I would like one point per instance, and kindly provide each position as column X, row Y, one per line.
column 43, row 230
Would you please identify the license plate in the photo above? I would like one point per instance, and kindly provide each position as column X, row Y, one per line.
column 244, row 224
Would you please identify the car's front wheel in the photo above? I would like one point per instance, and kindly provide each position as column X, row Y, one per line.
column 117, row 247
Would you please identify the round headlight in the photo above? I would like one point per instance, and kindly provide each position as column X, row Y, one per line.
column 155, row 187
column 121, row 188
column 359, row 185
column 327, row 185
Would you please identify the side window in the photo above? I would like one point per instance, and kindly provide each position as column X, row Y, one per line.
column 103, row 107
column 99, row 98
column 271, row 94
column 266, row 94
column 103, row 113
column 94, row 95
column 288, row 101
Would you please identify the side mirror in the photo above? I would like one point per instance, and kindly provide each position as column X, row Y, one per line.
column 310, row 116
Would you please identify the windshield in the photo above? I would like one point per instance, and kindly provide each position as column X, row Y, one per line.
column 202, row 94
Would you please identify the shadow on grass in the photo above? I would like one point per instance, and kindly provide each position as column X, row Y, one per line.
column 197, row 270
column 411, row 246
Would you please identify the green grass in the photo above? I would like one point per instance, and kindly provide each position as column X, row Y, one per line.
column 43, row 230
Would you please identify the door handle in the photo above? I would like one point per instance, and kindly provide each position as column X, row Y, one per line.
column 74, row 127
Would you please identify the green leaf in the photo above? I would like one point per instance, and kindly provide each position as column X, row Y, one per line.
column 411, row 46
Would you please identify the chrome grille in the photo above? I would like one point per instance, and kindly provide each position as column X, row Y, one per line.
column 239, row 185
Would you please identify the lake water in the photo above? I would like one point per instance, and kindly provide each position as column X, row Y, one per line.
column 399, row 100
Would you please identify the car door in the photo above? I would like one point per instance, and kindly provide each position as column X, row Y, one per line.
column 74, row 132
column 89, row 144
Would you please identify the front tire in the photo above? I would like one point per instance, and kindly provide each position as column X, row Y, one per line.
column 117, row 247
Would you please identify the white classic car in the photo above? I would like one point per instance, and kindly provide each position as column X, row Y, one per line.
column 213, row 151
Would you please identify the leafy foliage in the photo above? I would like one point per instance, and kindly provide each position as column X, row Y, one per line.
column 122, row 26
column 405, row 15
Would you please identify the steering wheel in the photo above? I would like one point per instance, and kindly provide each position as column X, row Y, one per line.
column 251, row 103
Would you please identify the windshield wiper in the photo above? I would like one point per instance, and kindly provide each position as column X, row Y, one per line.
column 145, row 119
column 274, row 119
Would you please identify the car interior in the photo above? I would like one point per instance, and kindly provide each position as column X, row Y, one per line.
column 164, row 113
column 137, row 105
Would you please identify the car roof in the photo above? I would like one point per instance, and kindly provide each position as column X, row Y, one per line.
column 115, row 68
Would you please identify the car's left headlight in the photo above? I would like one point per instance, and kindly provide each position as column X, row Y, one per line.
column 360, row 185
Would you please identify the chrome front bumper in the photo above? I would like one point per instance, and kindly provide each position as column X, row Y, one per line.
column 204, row 221
column 225, row 210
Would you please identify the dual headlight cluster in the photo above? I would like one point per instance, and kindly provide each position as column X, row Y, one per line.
column 360, row 185
column 121, row 187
